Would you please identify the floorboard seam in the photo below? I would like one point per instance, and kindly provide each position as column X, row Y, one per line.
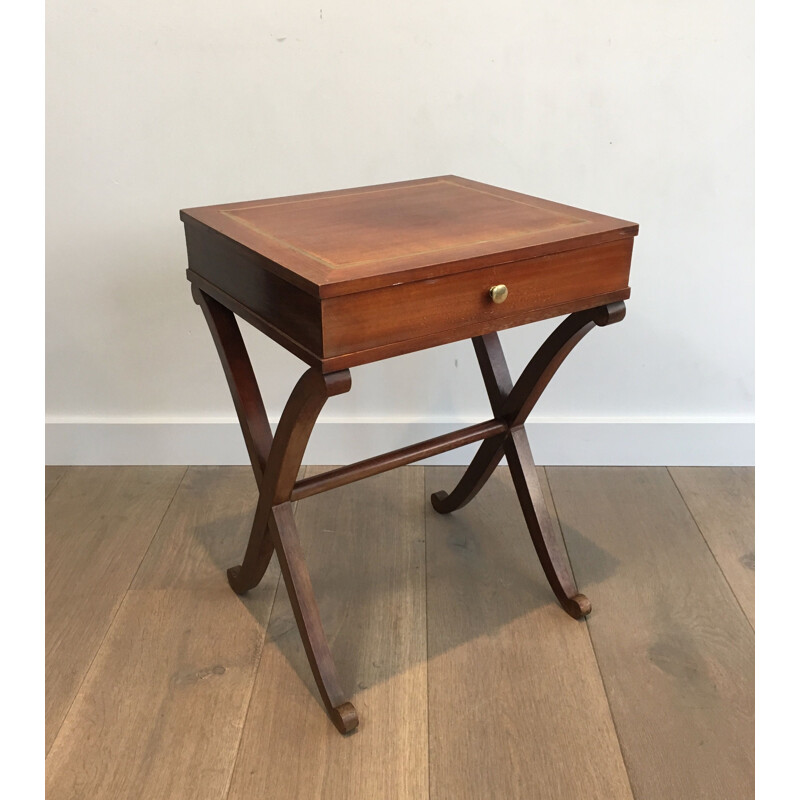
column 116, row 612
column 252, row 691
column 301, row 474
column 425, row 513
column 705, row 541
column 610, row 710
column 594, row 650
column 155, row 533
column 56, row 484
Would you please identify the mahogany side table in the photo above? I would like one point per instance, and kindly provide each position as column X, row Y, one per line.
column 349, row 277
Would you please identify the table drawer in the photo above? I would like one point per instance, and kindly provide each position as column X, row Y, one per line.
column 429, row 308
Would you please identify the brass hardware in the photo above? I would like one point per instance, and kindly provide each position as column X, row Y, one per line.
column 498, row 293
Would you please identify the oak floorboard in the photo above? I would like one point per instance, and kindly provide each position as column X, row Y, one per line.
column 517, row 704
column 161, row 711
column 722, row 502
column 365, row 549
column 674, row 648
column 99, row 522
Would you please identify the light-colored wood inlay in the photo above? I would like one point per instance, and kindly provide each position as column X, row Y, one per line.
column 674, row 648
column 161, row 711
column 517, row 704
column 99, row 523
column 722, row 501
column 365, row 550
column 359, row 228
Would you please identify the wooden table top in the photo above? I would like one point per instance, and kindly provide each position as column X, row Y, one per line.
column 352, row 276
column 351, row 240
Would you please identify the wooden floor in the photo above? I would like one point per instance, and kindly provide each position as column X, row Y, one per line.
column 469, row 680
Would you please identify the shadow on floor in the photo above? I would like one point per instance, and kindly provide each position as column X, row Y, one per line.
column 377, row 551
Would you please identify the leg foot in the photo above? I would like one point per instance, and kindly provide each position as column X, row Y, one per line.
column 235, row 581
column 482, row 466
column 578, row 606
column 344, row 717
column 248, row 574
column 439, row 502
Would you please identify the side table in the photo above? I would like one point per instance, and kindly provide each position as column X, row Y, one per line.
column 349, row 277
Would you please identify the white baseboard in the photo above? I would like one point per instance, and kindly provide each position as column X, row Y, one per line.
column 613, row 442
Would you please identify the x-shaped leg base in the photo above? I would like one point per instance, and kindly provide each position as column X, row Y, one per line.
column 276, row 463
column 513, row 404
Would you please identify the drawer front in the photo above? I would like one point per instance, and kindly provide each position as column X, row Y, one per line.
column 422, row 309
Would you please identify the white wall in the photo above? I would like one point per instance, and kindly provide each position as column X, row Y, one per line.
column 641, row 110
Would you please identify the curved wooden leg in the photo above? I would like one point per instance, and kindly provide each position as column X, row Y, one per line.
column 306, row 613
column 548, row 544
column 514, row 404
column 241, row 379
column 481, row 467
column 497, row 379
column 534, row 379
column 291, row 437
column 247, row 575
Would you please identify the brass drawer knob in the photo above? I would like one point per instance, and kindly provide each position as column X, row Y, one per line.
column 498, row 293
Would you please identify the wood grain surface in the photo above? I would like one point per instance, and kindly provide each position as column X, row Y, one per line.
column 506, row 696
column 517, row 705
column 359, row 227
column 367, row 320
column 365, row 549
column 722, row 502
column 99, row 524
column 236, row 271
column 358, row 275
column 674, row 648
column 161, row 711
column 352, row 240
